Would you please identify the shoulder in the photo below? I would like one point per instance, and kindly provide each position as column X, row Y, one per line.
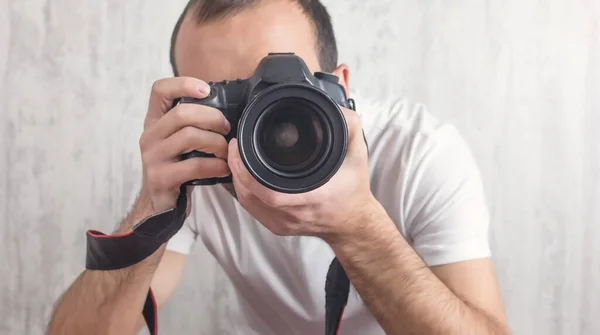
column 404, row 138
column 419, row 164
column 401, row 124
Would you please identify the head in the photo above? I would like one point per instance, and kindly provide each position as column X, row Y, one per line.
column 218, row 40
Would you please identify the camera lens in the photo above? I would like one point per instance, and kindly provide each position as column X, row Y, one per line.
column 291, row 136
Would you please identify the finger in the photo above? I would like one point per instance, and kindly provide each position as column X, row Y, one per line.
column 243, row 193
column 244, row 178
column 171, row 176
column 238, row 170
column 190, row 199
column 165, row 91
column 356, row 140
column 199, row 116
column 353, row 122
column 186, row 140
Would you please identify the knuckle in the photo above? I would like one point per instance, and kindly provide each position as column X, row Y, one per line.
column 189, row 134
column 276, row 231
column 243, row 195
column 221, row 168
column 201, row 116
column 240, row 192
column 222, row 148
column 188, row 85
column 195, row 164
column 217, row 115
column 273, row 199
column 181, row 113
column 157, row 87
column 210, row 168
column 145, row 142
column 279, row 230
column 215, row 120
column 142, row 142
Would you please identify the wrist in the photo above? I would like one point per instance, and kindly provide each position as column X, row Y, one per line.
column 141, row 209
column 368, row 216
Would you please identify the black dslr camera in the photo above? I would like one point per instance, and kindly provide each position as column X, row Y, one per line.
column 291, row 132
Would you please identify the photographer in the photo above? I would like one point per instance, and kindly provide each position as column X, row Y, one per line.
column 405, row 216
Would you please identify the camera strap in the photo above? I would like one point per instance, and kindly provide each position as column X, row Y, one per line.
column 117, row 251
column 337, row 288
column 337, row 283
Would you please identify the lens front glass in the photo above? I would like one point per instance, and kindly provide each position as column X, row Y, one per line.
column 291, row 135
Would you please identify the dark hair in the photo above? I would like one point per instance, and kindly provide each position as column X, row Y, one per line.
column 209, row 10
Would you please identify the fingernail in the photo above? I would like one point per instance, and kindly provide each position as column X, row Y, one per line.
column 204, row 88
column 227, row 125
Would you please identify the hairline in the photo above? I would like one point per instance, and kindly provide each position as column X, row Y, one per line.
column 199, row 20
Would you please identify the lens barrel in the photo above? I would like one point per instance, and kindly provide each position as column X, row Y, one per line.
column 292, row 137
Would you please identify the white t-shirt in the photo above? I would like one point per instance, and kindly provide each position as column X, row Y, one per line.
column 422, row 172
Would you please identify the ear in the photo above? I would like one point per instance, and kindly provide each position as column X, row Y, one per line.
column 343, row 72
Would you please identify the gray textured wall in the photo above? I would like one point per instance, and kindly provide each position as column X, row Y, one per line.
column 519, row 78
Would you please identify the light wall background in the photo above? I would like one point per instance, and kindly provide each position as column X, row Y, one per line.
column 519, row 78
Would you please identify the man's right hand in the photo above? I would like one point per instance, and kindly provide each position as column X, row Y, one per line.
column 119, row 295
column 170, row 132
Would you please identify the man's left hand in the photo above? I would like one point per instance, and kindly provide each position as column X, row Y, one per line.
column 332, row 211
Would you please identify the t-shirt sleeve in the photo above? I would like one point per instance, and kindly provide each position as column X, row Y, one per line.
column 183, row 241
column 447, row 217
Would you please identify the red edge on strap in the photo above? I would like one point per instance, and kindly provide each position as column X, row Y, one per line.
column 97, row 234
column 155, row 307
column 337, row 331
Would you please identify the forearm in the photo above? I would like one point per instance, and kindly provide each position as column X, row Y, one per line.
column 107, row 302
column 104, row 302
column 400, row 290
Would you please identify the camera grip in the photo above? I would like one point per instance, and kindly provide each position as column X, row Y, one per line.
column 207, row 181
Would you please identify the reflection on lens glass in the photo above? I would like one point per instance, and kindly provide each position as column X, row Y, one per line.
column 291, row 135
column 285, row 135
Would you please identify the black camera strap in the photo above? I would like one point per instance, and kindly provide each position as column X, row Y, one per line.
column 117, row 251
column 337, row 288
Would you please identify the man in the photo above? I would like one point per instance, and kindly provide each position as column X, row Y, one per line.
column 408, row 220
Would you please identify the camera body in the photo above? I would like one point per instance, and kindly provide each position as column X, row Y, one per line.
column 291, row 132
